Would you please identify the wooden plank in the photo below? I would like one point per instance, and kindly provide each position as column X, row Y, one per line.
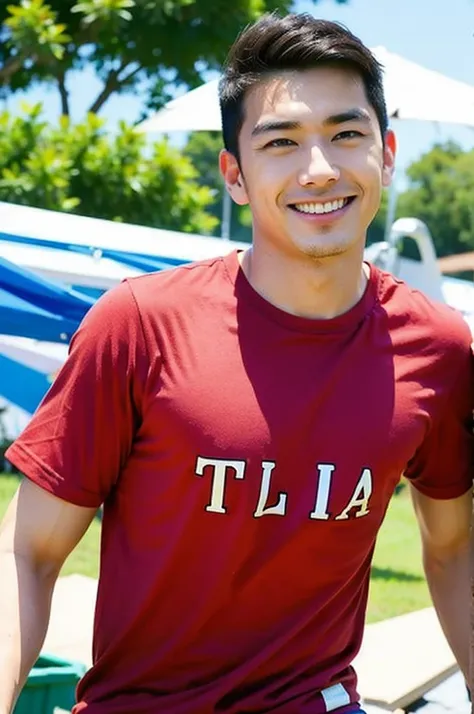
column 403, row 658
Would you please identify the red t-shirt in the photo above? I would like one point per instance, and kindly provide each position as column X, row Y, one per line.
column 246, row 458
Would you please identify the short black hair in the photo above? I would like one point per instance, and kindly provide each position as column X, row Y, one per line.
column 294, row 42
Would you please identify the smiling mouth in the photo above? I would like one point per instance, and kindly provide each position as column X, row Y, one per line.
column 321, row 207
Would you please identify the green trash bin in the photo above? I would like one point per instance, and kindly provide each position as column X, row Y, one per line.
column 52, row 683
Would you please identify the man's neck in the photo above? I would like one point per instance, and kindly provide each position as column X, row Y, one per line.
column 313, row 288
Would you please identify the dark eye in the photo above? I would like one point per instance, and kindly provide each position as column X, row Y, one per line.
column 349, row 134
column 278, row 143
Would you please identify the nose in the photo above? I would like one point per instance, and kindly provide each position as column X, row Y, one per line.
column 319, row 169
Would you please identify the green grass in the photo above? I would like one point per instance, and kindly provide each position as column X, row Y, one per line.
column 397, row 583
column 85, row 558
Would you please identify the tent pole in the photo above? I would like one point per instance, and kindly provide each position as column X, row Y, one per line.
column 391, row 209
column 226, row 215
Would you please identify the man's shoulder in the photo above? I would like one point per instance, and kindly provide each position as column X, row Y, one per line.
column 422, row 317
column 179, row 284
column 135, row 303
column 184, row 289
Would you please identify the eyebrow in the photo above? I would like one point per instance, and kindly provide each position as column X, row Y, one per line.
column 266, row 127
column 347, row 116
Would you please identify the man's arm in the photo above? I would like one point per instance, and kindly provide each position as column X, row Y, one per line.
column 37, row 534
column 73, row 451
column 445, row 534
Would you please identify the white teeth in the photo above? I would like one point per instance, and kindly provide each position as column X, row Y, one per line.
column 327, row 207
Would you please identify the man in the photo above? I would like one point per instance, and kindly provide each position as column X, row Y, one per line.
column 245, row 421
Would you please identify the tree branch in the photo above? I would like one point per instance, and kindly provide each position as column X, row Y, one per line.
column 10, row 67
column 64, row 94
column 110, row 86
column 128, row 77
column 113, row 83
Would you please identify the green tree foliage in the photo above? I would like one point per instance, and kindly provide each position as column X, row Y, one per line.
column 441, row 194
column 203, row 149
column 141, row 46
column 84, row 169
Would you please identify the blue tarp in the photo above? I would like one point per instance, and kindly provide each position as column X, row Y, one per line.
column 39, row 309
column 22, row 385
column 141, row 262
column 46, row 295
column 36, row 308
column 19, row 318
column 31, row 306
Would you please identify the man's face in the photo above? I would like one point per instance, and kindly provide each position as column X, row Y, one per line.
column 312, row 162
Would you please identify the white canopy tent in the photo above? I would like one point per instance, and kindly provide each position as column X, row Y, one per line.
column 197, row 110
column 412, row 92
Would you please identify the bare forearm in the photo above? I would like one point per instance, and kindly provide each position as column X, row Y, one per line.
column 25, row 602
column 449, row 584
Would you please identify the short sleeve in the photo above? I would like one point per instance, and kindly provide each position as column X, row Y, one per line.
column 443, row 466
column 79, row 439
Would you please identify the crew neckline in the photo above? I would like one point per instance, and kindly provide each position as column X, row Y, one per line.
column 345, row 322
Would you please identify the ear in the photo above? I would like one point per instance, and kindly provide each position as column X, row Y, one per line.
column 233, row 178
column 389, row 152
